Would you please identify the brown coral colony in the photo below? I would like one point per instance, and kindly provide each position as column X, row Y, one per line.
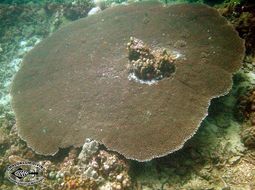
column 72, row 86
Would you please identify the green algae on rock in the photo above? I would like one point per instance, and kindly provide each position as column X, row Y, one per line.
column 74, row 84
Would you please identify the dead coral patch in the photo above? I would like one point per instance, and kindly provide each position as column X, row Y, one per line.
column 148, row 64
column 241, row 175
column 248, row 137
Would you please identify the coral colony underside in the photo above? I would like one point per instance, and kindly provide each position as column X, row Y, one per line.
column 221, row 155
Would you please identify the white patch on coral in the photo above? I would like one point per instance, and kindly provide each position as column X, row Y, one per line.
column 23, row 43
column 15, row 64
column 177, row 54
column 26, row 46
column 5, row 100
column 94, row 10
column 132, row 76
column 89, row 148
column 106, row 186
column 251, row 77
column 102, row 4
column 233, row 142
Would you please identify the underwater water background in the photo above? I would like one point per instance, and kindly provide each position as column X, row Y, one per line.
column 220, row 156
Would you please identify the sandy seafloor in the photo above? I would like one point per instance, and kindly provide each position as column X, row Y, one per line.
column 214, row 159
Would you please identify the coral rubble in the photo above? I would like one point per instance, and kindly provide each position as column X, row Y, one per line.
column 248, row 137
column 149, row 64
column 104, row 166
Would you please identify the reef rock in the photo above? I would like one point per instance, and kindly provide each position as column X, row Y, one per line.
column 74, row 84
column 248, row 137
column 89, row 148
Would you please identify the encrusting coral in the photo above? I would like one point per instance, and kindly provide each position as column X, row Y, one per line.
column 75, row 83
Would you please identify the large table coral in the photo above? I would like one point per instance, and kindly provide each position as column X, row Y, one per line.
column 75, row 85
